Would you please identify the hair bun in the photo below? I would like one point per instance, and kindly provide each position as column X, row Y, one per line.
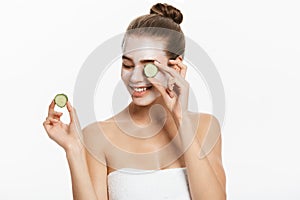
column 166, row 10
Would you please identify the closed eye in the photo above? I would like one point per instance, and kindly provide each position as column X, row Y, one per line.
column 127, row 66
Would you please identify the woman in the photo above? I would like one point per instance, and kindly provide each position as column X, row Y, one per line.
column 96, row 172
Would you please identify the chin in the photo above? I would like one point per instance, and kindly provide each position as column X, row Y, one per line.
column 145, row 101
column 142, row 101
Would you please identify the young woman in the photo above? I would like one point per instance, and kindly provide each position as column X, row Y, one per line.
column 177, row 173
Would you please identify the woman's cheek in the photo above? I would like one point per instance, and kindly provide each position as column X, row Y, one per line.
column 125, row 75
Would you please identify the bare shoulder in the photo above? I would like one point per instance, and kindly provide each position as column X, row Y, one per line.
column 208, row 131
column 94, row 143
column 204, row 121
column 94, row 138
column 99, row 135
column 104, row 127
column 94, row 126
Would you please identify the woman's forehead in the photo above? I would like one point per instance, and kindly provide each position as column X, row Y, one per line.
column 144, row 54
column 140, row 43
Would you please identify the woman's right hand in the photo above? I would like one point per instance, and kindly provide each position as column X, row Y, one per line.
column 66, row 135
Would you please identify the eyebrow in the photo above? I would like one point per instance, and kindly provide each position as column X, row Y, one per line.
column 142, row 61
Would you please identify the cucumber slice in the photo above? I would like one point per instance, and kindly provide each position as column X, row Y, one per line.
column 150, row 70
column 61, row 100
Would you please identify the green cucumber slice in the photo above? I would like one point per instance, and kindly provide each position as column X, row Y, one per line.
column 61, row 100
column 150, row 70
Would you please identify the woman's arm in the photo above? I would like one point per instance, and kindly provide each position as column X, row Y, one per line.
column 82, row 187
column 84, row 170
column 206, row 175
column 88, row 176
column 96, row 160
column 203, row 160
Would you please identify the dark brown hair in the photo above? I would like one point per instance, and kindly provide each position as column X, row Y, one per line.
column 162, row 22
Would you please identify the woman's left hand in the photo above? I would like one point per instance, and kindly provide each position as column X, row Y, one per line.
column 176, row 94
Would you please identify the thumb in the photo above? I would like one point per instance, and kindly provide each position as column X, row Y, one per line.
column 74, row 118
column 73, row 113
column 165, row 92
column 158, row 85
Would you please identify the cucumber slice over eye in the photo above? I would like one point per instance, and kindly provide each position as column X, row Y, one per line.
column 61, row 100
column 150, row 70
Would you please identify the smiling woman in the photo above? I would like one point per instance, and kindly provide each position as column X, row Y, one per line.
column 137, row 83
column 162, row 159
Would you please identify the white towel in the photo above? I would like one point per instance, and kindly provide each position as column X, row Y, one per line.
column 137, row 184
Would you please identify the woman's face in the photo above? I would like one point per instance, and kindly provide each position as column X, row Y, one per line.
column 137, row 52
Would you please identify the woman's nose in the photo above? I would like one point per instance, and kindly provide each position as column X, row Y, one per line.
column 137, row 74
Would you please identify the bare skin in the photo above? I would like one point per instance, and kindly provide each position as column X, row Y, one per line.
column 164, row 137
column 90, row 164
column 136, row 145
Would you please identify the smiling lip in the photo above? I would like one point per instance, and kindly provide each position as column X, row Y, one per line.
column 141, row 92
column 143, row 86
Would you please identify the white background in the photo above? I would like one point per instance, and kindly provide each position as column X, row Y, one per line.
column 254, row 44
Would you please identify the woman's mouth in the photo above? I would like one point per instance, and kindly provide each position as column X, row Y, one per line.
column 140, row 91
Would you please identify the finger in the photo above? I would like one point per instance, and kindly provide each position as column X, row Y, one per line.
column 46, row 123
column 178, row 79
column 57, row 115
column 158, row 86
column 51, row 107
column 157, row 63
column 54, row 121
column 179, row 63
column 73, row 114
column 168, row 70
column 71, row 111
column 173, row 82
column 51, row 120
column 183, row 67
column 171, row 93
column 174, row 63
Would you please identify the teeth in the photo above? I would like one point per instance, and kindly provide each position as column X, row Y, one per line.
column 140, row 89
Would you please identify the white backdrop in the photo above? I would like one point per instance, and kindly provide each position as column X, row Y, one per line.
column 254, row 44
